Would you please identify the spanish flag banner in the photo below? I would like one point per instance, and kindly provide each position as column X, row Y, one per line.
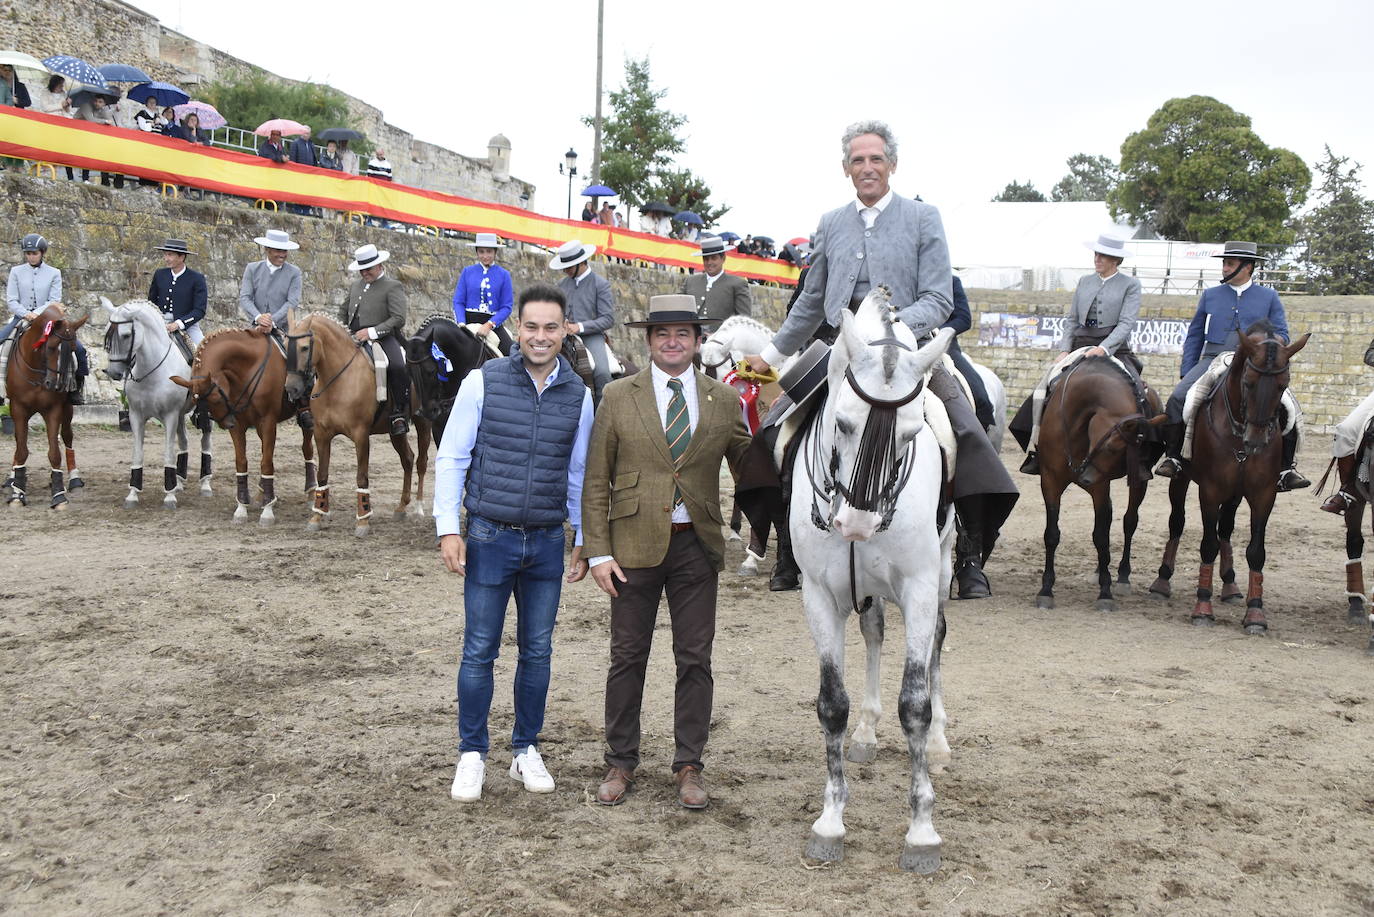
column 86, row 145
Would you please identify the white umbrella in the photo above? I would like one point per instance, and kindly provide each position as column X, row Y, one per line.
column 20, row 60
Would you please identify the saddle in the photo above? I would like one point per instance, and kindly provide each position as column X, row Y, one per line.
column 6, row 347
column 379, row 366
column 1203, row 388
column 490, row 341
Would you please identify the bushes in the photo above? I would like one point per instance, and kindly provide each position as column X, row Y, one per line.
column 249, row 100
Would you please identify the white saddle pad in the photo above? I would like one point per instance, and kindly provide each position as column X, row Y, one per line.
column 379, row 365
column 490, row 340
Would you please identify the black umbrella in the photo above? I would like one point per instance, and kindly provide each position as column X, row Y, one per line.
column 658, row 207
column 83, row 94
column 338, row 133
column 763, row 239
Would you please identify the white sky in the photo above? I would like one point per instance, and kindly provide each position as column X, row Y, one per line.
column 979, row 93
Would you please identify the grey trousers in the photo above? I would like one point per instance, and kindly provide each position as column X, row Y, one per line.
column 601, row 372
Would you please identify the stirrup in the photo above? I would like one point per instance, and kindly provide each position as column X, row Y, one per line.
column 1338, row 503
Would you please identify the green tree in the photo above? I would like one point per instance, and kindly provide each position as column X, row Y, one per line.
column 1020, row 193
column 248, row 100
column 685, row 191
column 1197, row 171
column 1090, row 178
column 1337, row 236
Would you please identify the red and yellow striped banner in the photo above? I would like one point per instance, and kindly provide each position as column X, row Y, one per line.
column 82, row 144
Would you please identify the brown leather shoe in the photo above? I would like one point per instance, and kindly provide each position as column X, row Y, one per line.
column 691, row 788
column 614, row 786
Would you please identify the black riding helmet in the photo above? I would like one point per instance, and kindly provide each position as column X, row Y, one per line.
column 33, row 242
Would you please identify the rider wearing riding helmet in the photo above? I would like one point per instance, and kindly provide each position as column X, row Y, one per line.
column 33, row 286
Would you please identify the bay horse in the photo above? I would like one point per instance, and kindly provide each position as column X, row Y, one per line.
column 871, row 523
column 1092, row 432
column 1237, row 455
column 238, row 380
column 325, row 361
column 436, row 377
column 41, row 372
column 142, row 354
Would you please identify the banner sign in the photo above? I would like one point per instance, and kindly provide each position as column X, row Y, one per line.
column 1042, row 332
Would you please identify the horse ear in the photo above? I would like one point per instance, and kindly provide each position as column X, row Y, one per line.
column 930, row 354
column 847, row 344
column 1297, row 345
column 182, row 382
column 1158, row 420
column 79, row 322
column 107, row 305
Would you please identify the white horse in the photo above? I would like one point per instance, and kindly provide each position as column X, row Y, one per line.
column 868, row 527
column 997, row 394
column 142, row 353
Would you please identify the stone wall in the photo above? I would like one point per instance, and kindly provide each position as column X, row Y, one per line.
column 101, row 31
column 102, row 240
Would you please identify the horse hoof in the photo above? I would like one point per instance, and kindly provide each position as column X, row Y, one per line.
column 240, row 514
column 205, row 489
column 312, row 526
column 1369, row 650
column 861, row 753
column 923, row 860
column 1161, row 591
column 1355, row 612
column 1106, row 605
column 362, row 531
column 748, row 568
column 733, row 536
column 1044, row 601
column 61, row 506
column 267, row 520
column 169, row 503
column 130, row 503
column 1256, row 630
column 1204, row 621
column 937, row 761
column 1232, row 598
column 1120, row 588
column 399, row 515
column 825, row 849
column 75, row 484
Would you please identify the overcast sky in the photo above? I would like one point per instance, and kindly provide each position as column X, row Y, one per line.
column 979, row 93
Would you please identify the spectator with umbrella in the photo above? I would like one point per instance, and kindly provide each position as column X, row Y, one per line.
column 329, row 157
column 589, row 212
column 207, row 116
column 12, row 91
column 192, row 132
column 691, row 225
column 657, row 217
column 54, row 100
column 345, row 160
column 273, row 148
column 94, row 105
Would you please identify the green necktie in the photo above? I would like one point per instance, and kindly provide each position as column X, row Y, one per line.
column 678, row 429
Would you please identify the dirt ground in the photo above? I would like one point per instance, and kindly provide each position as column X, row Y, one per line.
column 217, row 720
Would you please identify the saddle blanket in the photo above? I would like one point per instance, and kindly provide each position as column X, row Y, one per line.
column 1208, row 381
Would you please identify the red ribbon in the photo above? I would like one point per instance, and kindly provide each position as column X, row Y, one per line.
column 748, row 398
column 47, row 330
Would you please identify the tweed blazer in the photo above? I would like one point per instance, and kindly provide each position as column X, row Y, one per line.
column 381, row 306
column 905, row 249
column 627, row 495
column 1118, row 307
column 263, row 291
column 729, row 296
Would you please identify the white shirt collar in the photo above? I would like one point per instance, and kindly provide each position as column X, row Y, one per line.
column 177, row 274
column 273, row 268
column 578, row 279
column 1102, row 279
column 880, row 206
column 1243, row 287
column 661, row 378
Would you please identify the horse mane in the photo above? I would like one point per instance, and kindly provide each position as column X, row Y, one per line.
column 213, row 336
column 743, row 321
column 325, row 316
column 431, row 319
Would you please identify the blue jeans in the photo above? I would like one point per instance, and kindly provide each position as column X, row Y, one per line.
column 502, row 560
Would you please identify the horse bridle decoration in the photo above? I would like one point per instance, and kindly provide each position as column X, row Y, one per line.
column 133, row 348
column 51, row 376
column 232, row 408
column 1237, row 422
column 308, row 373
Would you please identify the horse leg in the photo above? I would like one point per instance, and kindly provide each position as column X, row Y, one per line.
column 1354, row 564
column 19, row 473
column 311, row 466
column 1202, row 610
column 74, row 481
column 736, row 521
column 1230, row 592
column 402, row 446
column 138, row 424
column 362, row 445
column 1052, row 489
column 240, row 437
column 57, row 489
column 863, row 744
column 921, row 852
column 267, row 436
column 206, row 461
column 422, row 437
column 937, row 746
column 1135, row 496
column 1102, row 541
column 171, row 463
column 752, row 554
column 1254, row 621
column 319, row 511
column 183, row 456
column 832, row 709
column 1178, row 499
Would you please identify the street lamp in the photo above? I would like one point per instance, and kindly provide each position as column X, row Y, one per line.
column 569, row 160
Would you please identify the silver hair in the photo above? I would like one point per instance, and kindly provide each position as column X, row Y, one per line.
column 880, row 128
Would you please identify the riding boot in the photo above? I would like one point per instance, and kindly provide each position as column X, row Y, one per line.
column 1342, row 499
column 78, row 394
column 786, row 574
column 1032, row 463
column 400, row 412
column 968, row 550
column 1290, row 478
column 1172, row 463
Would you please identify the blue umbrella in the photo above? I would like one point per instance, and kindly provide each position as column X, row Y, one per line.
column 598, row 191
column 165, row 93
column 687, row 216
column 729, row 237
column 75, row 69
column 123, row 73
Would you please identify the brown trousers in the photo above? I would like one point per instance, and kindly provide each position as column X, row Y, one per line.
column 688, row 579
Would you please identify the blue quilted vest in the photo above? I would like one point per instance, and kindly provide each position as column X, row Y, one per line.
column 519, row 471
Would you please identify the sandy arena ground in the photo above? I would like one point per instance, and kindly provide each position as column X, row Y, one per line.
column 217, row 720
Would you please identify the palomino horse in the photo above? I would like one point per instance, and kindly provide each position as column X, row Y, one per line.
column 1237, row 453
column 325, row 361
column 142, row 353
column 41, row 371
column 1356, row 480
column 238, row 380
column 1093, row 432
column 869, row 525
column 438, row 356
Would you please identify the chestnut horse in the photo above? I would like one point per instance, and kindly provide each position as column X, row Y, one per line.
column 324, row 360
column 1094, row 431
column 238, row 380
column 1237, row 453
column 41, row 372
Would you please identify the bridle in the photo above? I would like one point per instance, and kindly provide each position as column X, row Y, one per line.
column 234, row 406
column 1238, row 421
column 308, row 373
column 132, row 356
column 51, row 377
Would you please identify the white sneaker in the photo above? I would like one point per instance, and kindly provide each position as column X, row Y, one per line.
column 529, row 768
column 467, row 782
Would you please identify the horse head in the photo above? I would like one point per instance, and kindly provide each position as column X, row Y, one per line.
column 52, row 338
column 300, row 358
column 737, row 335
column 438, row 356
column 874, row 413
column 131, row 325
column 1260, row 369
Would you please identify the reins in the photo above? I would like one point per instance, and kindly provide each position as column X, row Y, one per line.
column 232, row 408
column 308, row 374
column 1132, row 441
column 133, row 349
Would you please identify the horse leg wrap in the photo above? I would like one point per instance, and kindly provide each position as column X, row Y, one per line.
column 71, row 460
column 311, row 467
column 241, row 487
column 136, row 479
column 1170, row 559
column 1228, row 567
column 364, row 504
column 182, row 461
column 321, row 506
column 205, row 464
column 1254, row 598
column 19, row 485
column 169, row 479
column 56, row 487
column 1354, row 578
column 267, row 483
column 1202, row 611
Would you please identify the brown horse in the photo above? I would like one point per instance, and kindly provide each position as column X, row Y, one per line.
column 42, row 370
column 1237, row 453
column 1094, row 430
column 324, row 360
column 1355, row 472
column 238, row 381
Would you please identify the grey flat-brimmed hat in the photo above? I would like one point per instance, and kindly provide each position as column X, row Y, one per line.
column 176, row 246
column 1248, row 250
column 486, row 240
column 713, row 245
column 368, row 256
column 571, row 253
column 277, row 238
column 1110, row 246
column 672, row 309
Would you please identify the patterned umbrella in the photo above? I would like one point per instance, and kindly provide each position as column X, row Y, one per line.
column 287, row 127
column 75, row 69
column 165, row 93
column 210, row 119
column 123, row 73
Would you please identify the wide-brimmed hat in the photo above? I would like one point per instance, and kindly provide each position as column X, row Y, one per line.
column 672, row 309
column 177, row 246
column 801, row 381
column 571, row 253
column 713, row 245
column 486, row 240
column 277, row 238
column 368, row 256
column 1110, row 246
column 1247, row 250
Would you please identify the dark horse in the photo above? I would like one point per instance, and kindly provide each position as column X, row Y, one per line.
column 436, row 383
column 42, row 370
column 1094, row 430
column 1355, row 472
column 1237, row 452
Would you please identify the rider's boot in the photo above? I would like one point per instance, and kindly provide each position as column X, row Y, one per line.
column 968, row 550
column 1172, row 463
column 1290, row 478
column 786, row 575
column 78, row 394
column 1032, row 463
column 1342, row 499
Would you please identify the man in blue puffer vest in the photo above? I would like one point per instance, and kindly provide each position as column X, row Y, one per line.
column 513, row 456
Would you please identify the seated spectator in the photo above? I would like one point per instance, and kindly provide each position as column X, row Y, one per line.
column 192, row 132
column 272, row 148
column 379, row 167
column 766, row 250
column 12, row 91
column 54, row 100
column 348, row 160
column 330, row 158
column 588, row 212
column 747, row 246
column 167, row 124
column 145, row 119
column 607, row 214
column 96, row 111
